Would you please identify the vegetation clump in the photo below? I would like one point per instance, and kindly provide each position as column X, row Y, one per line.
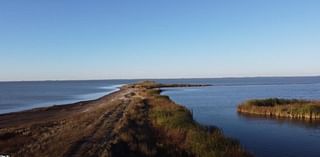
column 276, row 107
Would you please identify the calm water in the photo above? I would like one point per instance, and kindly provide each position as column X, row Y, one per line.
column 17, row 96
column 216, row 105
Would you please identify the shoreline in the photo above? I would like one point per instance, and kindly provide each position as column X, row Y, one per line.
column 134, row 121
column 80, row 98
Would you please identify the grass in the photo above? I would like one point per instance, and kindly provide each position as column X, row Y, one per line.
column 275, row 102
column 176, row 123
column 291, row 108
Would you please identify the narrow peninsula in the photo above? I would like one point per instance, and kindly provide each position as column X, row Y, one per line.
column 308, row 110
column 136, row 121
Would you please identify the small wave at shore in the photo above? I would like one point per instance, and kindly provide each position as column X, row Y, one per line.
column 112, row 86
column 67, row 100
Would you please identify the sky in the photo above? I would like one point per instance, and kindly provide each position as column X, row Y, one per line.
column 125, row 39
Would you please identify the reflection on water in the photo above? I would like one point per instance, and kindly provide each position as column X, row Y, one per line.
column 312, row 124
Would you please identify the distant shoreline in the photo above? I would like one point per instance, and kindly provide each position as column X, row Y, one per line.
column 177, row 78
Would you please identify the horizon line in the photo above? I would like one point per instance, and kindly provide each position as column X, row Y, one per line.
column 164, row 78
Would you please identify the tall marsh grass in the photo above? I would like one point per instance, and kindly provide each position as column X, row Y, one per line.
column 291, row 108
column 176, row 123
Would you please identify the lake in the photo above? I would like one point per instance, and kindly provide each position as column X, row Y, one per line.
column 215, row 105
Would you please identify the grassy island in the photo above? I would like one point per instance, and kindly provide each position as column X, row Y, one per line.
column 136, row 121
column 289, row 108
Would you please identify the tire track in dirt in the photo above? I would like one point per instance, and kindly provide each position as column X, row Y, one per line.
column 98, row 141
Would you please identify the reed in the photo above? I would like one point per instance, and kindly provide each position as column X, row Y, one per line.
column 276, row 107
column 176, row 126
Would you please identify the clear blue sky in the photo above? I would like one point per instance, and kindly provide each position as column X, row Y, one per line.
column 85, row 39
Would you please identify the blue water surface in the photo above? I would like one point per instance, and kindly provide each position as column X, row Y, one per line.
column 18, row 96
column 264, row 137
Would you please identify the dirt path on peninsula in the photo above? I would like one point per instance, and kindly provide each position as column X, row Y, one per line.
column 78, row 129
column 136, row 121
